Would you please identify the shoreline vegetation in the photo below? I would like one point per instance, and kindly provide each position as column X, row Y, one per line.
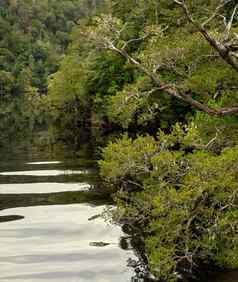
column 154, row 85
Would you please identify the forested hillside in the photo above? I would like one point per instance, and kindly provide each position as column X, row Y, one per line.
column 33, row 38
column 161, row 75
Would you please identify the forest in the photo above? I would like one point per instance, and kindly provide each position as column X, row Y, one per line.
column 155, row 83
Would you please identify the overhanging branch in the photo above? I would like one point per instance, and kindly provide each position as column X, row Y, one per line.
column 220, row 47
column 171, row 89
column 229, row 25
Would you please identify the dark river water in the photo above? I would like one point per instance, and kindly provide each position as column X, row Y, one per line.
column 49, row 226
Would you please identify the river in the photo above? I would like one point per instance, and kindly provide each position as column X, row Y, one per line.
column 49, row 224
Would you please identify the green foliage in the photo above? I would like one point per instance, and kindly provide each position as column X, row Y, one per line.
column 125, row 104
column 6, row 84
column 179, row 186
column 127, row 158
column 34, row 34
column 184, row 203
column 130, row 158
column 224, row 130
column 33, row 38
column 85, row 80
column 201, row 225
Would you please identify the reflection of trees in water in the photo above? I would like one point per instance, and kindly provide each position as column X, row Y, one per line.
column 141, row 272
column 60, row 198
column 6, row 218
column 135, row 242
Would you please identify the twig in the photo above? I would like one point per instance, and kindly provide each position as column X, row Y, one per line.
column 221, row 5
column 224, row 52
column 229, row 25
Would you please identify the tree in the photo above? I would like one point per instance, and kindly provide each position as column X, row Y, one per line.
column 182, row 203
column 110, row 34
column 34, row 35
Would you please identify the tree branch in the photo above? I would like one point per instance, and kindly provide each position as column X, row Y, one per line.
column 172, row 90
column 229, row 25
column 135, row 40
column 221, row 5
column 223, row 51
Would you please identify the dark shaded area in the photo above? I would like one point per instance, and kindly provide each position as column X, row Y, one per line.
column 227, row 276
column 92, row 179
column 10, row 218
column 62, row 160
column 64, row 198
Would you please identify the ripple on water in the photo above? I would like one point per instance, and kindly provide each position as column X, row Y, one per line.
column 44, row 172
column 52, row 243
column 40, row 188
column 44, row 163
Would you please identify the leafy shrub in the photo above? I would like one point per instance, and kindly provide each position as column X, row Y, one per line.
column 185, row 203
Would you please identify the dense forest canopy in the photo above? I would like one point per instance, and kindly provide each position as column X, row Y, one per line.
column 161, row 75
column 34, row 36
column 144, row 64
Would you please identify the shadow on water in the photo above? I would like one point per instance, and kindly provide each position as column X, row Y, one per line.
column 17, row 179
column 10, row 218
column 35, row 177
column 62, row 198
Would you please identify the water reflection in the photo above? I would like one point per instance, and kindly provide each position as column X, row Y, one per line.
column 44, row 172
column 10, row 218
column 53, row 242
column 30, row 188
column 49, row 224
column 43, row 163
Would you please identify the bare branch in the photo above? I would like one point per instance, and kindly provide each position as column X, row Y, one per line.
column 143, row 38
column 170, row 67
column 111, row 38
column 223, row 51
column 223, row 19
column 229, row 25
column 221, row 5
column 135, row 40
column 211, row 141
column 171, row 90
column 183, row 5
